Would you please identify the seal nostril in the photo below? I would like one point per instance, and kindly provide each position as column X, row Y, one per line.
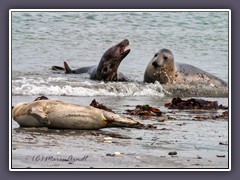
column 165, row 57
column 155, row 64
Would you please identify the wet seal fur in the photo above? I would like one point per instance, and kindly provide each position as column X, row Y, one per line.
column 107, row 69
column 162, row 68
column 63, row 115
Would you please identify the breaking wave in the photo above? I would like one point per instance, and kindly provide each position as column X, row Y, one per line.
column 63, row 87
column 91, row 89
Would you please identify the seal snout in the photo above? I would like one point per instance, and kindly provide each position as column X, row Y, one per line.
column 125, row 51
column 154, row 63
column 124, row 48
column 124, row 43
column 165, row 57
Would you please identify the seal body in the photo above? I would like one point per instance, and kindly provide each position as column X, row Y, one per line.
column 107, row 69
column 63, row 115
column 162, row 68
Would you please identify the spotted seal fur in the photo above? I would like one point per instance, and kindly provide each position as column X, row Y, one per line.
column 107, row 69
column 164, row 69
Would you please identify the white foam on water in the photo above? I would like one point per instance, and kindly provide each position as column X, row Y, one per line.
column 91, row 89
column 61, row 86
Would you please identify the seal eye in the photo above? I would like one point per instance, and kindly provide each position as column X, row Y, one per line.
column 156, row 55
column 165, row 58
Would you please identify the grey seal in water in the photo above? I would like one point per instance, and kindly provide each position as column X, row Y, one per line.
column 107, row 69
column 63, row 115
column 162, row 68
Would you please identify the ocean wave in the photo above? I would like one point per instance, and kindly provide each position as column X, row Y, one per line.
column 56, row 87
column 91, row 89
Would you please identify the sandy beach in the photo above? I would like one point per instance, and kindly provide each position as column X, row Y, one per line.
column 179, row 141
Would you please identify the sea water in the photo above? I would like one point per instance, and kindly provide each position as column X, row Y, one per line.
column 43, row 39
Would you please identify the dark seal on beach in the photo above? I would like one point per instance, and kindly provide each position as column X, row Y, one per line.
column 107, row 69
column 162, row 68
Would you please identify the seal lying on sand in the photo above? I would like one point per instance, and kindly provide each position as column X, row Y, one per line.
column 63, row 115
column 107, row 69
column 162, row 68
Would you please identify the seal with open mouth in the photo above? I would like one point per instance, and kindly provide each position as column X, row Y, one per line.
column 107, row 69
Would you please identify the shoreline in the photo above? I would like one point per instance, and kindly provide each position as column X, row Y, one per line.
column 199, row 144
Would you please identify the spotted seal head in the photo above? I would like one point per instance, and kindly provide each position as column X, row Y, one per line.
column 161, row 68
column 107, row 69
column 164, row 69
column 108, row 66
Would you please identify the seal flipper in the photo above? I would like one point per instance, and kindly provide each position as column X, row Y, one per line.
column 67, row 69
column 87, row 69
column 40, row 115
column 56, row 68
column 114, row 120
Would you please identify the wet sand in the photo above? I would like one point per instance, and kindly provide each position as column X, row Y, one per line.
column 194, row 143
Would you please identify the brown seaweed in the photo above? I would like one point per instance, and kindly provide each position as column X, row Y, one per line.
column 145, row 110
column 224, row 115
column 98, row 105
column 178, row 103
